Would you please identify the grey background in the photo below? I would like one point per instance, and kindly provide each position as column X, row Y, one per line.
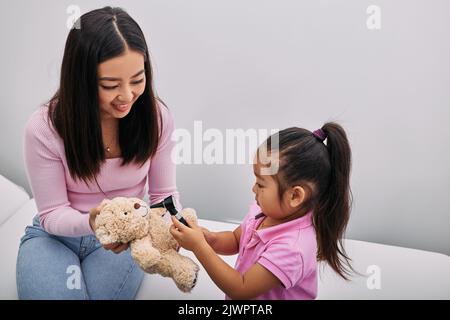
column 273, row 64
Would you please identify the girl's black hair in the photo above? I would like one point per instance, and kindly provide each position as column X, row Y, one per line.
column 324, row 171
column 74, row 109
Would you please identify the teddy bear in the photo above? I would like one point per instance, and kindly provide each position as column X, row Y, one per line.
column 131, row 220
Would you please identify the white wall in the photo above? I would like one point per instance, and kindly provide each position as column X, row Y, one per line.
column 273, row 64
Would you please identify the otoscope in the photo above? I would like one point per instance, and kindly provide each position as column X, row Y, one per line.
column 169, row 204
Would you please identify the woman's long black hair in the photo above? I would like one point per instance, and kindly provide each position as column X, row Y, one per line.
column 74, row 109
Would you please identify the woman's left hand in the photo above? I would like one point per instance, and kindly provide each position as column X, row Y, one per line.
column 190, row 237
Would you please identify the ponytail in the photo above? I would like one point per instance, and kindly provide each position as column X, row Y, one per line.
column 304, row 160
column 332, row 212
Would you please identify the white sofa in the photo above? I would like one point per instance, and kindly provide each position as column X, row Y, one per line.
column 388, row 272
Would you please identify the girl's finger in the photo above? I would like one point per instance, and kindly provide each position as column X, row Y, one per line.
column 178, row 224
column 174, row 232
column 192, row 223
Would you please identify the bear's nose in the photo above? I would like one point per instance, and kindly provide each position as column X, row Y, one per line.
column 137, row 205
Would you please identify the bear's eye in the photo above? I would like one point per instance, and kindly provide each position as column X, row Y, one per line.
column 141, row 209
column 125, row 213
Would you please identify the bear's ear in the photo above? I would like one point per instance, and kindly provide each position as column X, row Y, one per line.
column 104, row 203
column 141, row 209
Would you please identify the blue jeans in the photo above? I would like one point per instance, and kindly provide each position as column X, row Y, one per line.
column 56, row 267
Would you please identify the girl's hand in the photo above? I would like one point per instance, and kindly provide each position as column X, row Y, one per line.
column 210, row 237
column 114, row 247
column 190, row 237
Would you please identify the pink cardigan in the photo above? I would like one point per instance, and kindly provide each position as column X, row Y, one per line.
column 63, row 204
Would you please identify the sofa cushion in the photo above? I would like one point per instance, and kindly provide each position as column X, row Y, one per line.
column 388, row 272
column 12, row 197
column 10, row 233
column 403, row 273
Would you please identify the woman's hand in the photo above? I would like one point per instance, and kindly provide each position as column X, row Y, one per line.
column 190, row 237
column 93, row 213
column 114, row 247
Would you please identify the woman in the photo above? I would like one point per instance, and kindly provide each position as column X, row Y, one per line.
column 103, row 134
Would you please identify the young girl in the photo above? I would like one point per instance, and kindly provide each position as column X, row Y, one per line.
column 300, row 216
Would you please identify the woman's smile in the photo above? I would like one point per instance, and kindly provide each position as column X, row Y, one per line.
column 121, row 107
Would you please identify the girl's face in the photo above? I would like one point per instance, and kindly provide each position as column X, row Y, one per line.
column 121, row 81
column 266, row 193
column 267, row 197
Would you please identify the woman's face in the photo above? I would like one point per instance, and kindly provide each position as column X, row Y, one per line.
column 121, row 81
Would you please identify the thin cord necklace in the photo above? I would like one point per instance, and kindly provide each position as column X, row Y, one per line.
column 108, row 146
column 113, row 130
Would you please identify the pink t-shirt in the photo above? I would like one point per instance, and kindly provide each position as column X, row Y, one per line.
column 63, row 204
column 287, row 250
